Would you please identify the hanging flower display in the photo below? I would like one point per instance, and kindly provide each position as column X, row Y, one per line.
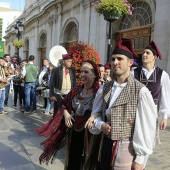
column 18, row 44
column 82, row 52
column 113, row 7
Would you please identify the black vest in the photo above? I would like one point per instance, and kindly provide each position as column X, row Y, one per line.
column 153, row 83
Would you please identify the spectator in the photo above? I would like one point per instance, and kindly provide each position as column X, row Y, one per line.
column 42, row 73
column 17, row 87
column 30, row 72
column 102, row 71
column 107, row 73
column 22, row 106
column 9, row 71
column 15, row 60
column 3, row 83
column 46, row 79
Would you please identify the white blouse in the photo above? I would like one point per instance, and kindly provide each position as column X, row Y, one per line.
column 145, row 123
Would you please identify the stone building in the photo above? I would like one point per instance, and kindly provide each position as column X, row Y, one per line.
column 64, row 22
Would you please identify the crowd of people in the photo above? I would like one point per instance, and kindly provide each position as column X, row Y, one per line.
column 21, row 80
column 110, row 120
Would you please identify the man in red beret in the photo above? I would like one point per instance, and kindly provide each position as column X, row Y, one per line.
column 102, row 70
column 107, row 72
column 63, row 79
column 125, row 113
column 156, row 80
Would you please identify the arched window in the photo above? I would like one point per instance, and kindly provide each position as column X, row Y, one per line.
column 43, row 40
column 137, row 26
column 70, row 35
column 27, row 48
column 142, row 16
column 27, row 44
column 42, row 48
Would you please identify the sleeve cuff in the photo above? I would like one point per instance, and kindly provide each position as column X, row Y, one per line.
column 164, row 116
column 98, row 122
column 140, row 159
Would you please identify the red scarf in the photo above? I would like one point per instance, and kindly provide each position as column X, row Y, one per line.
column 55, row 129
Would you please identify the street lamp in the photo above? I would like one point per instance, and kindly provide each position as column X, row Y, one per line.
column 19, row 29
column 109, row 41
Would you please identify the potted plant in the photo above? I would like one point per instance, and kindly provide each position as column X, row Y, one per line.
column 82, row 52
column 18, row 44
column 113, row 9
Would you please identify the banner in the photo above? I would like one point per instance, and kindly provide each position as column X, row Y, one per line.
column 2, row 48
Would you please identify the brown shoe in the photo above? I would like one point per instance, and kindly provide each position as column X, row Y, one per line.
column 46, row 113
column 1, row 113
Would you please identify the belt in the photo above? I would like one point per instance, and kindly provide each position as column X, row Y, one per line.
column 125, row 139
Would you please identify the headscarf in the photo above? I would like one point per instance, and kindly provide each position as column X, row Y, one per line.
column 97, row 75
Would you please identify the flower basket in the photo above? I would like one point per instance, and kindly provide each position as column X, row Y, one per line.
column 82, row 52
column 111, row 15
column 112, row 9
column 18, row 44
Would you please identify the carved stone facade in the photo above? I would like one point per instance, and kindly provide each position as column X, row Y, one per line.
column 62, row 22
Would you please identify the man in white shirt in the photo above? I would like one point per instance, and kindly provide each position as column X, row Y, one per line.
column 43, row 70
column 124, row 111
column 156, row 80
column 40, row 78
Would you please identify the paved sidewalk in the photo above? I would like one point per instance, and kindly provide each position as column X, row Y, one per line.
column 160, row 159
column 20, row 146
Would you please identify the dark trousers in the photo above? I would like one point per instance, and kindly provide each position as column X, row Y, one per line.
column 22, row 96
column 45, row 103
column 6, row 94
column 17, row 93
column 76, row 158
column 106, row 154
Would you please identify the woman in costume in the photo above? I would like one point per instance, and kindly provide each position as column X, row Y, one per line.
column 69, row 122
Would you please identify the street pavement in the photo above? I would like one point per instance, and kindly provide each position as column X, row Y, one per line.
column 20, row 146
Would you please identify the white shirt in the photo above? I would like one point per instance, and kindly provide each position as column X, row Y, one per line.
column 145, row 123
column 164, row 100
column 44, row 70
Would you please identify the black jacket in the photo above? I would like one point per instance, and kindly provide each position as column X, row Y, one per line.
column 57, row 79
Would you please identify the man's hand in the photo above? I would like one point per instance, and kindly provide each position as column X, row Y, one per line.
column 90, row 122
column 3, row 81
column 136, row 166
column 163, row 124
column 106, row 128
column 53, row 98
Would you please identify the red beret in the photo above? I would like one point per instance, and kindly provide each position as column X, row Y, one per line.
column 152, row 46
column 125, row 47
column 107, row 66
column 67, row 56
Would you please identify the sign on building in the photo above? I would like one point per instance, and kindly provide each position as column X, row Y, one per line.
column 2, row 48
